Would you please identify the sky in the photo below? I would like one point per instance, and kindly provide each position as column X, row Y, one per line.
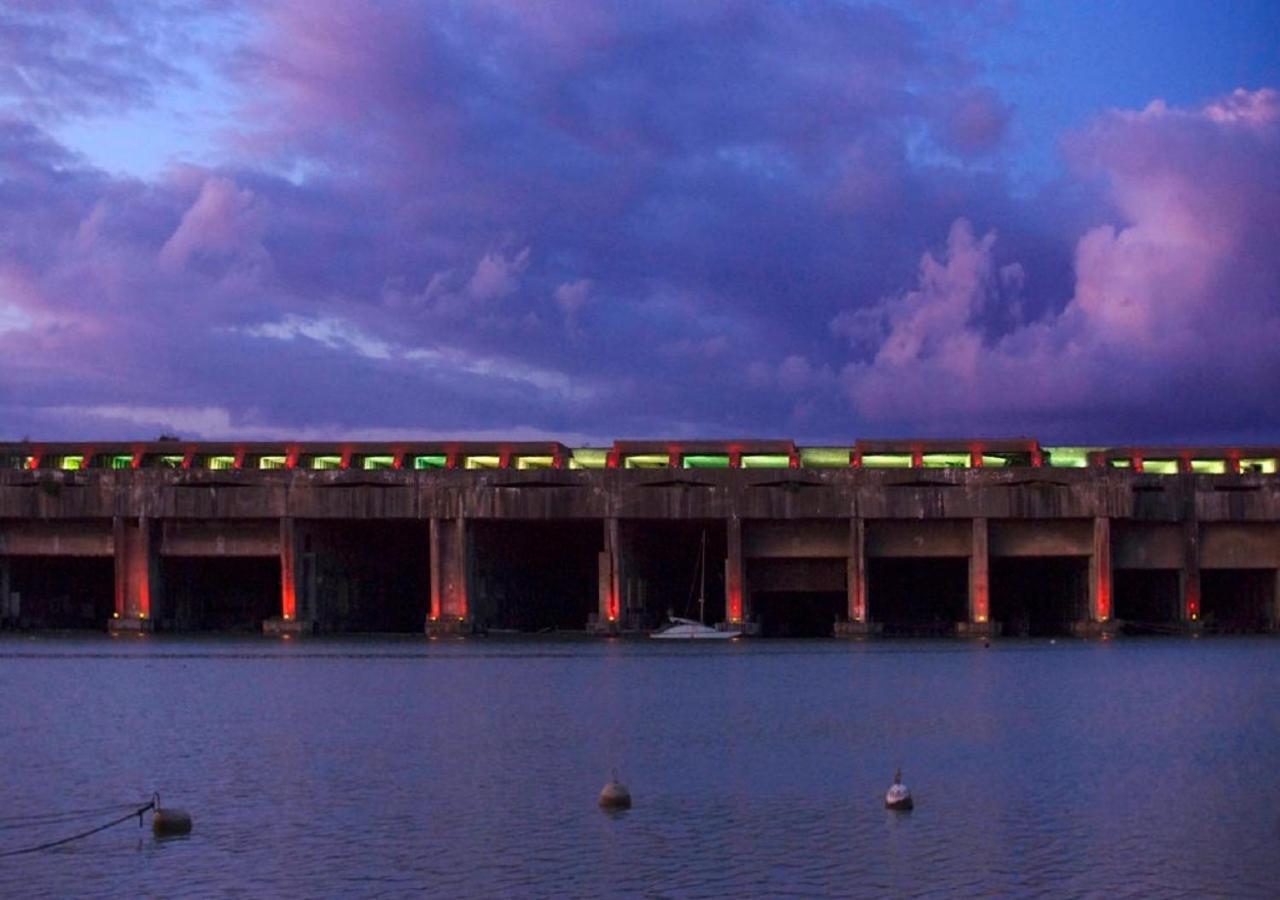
column 233, row 219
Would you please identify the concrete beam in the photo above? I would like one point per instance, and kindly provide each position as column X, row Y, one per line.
column 1239, row 545
column 1146, row 545
column 54, row 538
column 251, row 538
column 800, row 539
column 921, row 539
column 1039, row 538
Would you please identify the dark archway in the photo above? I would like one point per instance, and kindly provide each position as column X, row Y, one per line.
column 797, row 614
column 913, row 597
column 1146, row 600
column 63, row 591
column 1237, row 601
column 1039, row 596
column 535, row 575
column 223, row 594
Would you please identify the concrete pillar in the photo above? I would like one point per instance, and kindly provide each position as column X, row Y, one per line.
column 1189, row 577
column 979, row 579
column 137, row 573
column 435, row 571
column 735, row 576
column 1100, row 599
column 1275, row 603
column 296, row 603
column 458, row 576
column 856, row 576
column 610, row 578
column 6, row 611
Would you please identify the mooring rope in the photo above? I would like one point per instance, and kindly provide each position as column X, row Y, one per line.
column 9, row 823
column 135, row 813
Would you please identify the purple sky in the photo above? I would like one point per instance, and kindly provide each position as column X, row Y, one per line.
column 586, row 221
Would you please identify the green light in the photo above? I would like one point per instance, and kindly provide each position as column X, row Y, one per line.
column 1118, row 463
column 1004, row 462
column 646, row 461
column 766, row 461
column 1209, row 466
column 1067, row 457
column 169, row 462
column 701, row 461
column 535, row 462
column 824, row 457
column 271, row 462
column 946, row 460
column 1160, row 466
column 222, row 462
column 1266, row 466
column 430, row 462
column 326, row 462
column 121, row 462
column 378, row 462
column 70, row 462
column 482, row 462
column 589, row 458
column 887, row 461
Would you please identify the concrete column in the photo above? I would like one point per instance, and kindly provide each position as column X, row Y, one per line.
column 295, row 610
column 609, row 580
column 1189, row 577
column 1275, row 604
column 137, row 573
column 458, row 579
column 979, row 579
column 6, row 610
column 1100, row 600
column 856, row 577
column 435, row 571
column 735, row 576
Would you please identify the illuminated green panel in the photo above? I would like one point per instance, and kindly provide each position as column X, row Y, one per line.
column 271, row 462
column 222, row 462
column 1267, row 466
column 535, row 462
column 169, row 462
column 647, row 461
column 589, row 458
column 122, row 462
column 482, row 462
column 1160, row 466
column 1209, row 466
column 430, row 462
column 378, row 462
column 824, row 457
column 946, row 460
column 716, row 461
column 766, row 461
column 887, row 461
column 1001, row 462
column 70, row 462
column 1067, row 457
column 1118, row 463
column 326, row 462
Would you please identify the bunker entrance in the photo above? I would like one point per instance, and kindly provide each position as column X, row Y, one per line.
column 661, row 574
column 231, row 594
column 1040, row 596
column 369, row 576
column 917, row 597
column 1146, row 600
column 534, row 576
column 797, row 614
column 1237, row 601
column 60, row 592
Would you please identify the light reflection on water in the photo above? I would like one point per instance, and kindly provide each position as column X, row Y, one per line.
column 385, row 767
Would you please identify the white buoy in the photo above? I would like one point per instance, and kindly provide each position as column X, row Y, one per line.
column 615, row 795
column 898, row 796
column 169, row 822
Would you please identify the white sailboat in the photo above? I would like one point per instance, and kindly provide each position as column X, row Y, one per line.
column 678, row 629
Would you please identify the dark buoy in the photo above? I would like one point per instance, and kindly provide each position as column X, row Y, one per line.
column 898, row 797
column 169, row 822
column 615, row 795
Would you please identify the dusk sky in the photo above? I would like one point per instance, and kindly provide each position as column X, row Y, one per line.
column 587, row 221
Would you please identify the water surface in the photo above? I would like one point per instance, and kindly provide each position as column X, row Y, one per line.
column 382, row 767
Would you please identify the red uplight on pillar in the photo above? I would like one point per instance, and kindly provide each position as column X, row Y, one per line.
column 345, row 462
column 975, row 456
column 291, row 458
column 1137, row 463
column 855, row 458
column 917, row 457
column 1037, row 458
column 239, row 458
column 136, row 462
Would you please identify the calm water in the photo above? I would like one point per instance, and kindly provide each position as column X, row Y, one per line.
column 387, row 767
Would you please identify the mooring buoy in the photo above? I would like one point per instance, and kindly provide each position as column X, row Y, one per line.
column 615, row 795
column 168, row 822
column 898, row 796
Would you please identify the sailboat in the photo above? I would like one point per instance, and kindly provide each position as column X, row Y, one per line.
column 678, row 629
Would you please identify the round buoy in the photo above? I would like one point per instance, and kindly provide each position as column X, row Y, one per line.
column 615, row 795
column 170, row 822
column 898, row 796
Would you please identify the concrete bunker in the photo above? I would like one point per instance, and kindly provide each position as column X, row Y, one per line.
column 1238, row 601
column 1039, row 596
column 661, row 574
column 370, row 576
column 1146, row 601
column 534, row 576
column 213, row 593
column 75, row 592
column 921, row 596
